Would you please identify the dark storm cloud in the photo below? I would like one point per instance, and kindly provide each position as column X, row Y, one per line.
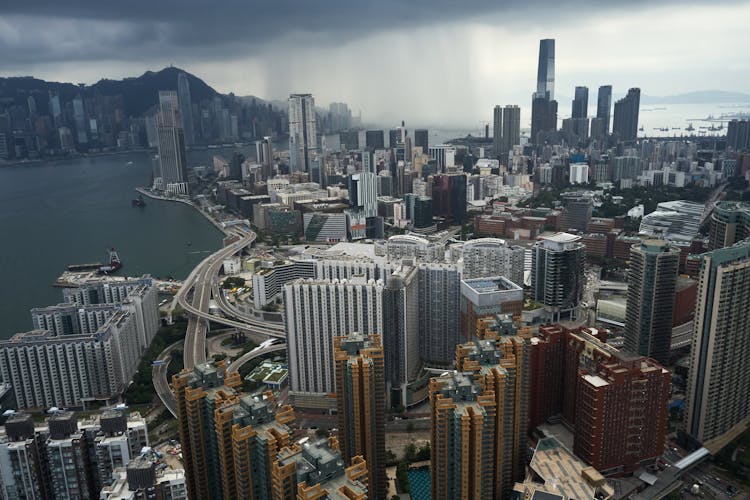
column 81, row 30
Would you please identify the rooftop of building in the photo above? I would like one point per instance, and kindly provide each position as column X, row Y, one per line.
column 562, row 238
column 491, row 284
column 562, row 475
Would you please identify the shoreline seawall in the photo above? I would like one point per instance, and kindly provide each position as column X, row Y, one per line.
column 154, row 196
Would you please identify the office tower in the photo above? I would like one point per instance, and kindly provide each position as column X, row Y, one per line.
column 422, row 139
column 235, row 166
column 449, row 196
column 462, row 428
column 578, row 207
column 199, row 393
column 363, row 193
column 186, row 108
column 604, row 106
column 497, row 129
column 557, row 278
column 315, row 471
column 374, row 139
column 729, row 224
column 500, row 364
column 511, row 135
column 401, row 342
column 651, row 288
column 303, row 145
column 581, row 103
column 79, row 116
column 625, row 123
column 444, row 154
column 487, row 297
column 484, row 257
column 171, row 144
column 394, row 137
column 315, row 313
column 718, row 379
column 439, row 291
column 622, row 413
column 543, row 117
column 264, row 156
column 349, row 140
column 545, row 76
column 360, row 394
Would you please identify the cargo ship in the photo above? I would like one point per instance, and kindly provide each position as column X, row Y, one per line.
column 113, row 264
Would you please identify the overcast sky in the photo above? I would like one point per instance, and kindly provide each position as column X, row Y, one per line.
column 430, row 62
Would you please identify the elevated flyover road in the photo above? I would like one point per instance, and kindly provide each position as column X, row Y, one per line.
column 160, row 381
column 261, row 350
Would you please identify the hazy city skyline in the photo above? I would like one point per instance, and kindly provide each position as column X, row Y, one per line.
column 390, row 61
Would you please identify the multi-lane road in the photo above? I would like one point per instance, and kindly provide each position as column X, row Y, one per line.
column 195, row 297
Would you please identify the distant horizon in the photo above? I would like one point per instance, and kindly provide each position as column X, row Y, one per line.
column 442, row 62
column 564, row 101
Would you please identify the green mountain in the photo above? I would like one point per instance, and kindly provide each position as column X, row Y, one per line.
column 138, row 93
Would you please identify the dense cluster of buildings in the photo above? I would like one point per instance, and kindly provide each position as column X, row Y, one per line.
column 105, row 456
column 240, row 446
column 84, row 350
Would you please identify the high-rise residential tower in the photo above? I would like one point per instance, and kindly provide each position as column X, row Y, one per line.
column 463, row 436
column 439, row 292
column 557, row 277
column 303, row 145
column 500, row 361
column 401, row 344
column 581, row 103
column 625, row 123
column 360, row 386
column 171, row 144
column 718, row 379
column 507, row 130
column 186, row 108
column 604, row 106
column 484, row 257
column 651, row 293
column 729, row 223
column 316, row 312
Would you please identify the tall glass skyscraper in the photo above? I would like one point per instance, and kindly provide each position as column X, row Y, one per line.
column 186, row 108
column 581, row 103
column 604, row 105
column 545, row 76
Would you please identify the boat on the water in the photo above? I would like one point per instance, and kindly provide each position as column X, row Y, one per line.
column 113, row 264
column 138, row 202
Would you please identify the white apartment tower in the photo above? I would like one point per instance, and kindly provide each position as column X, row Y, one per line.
column 315, row 312
column 303, row 144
